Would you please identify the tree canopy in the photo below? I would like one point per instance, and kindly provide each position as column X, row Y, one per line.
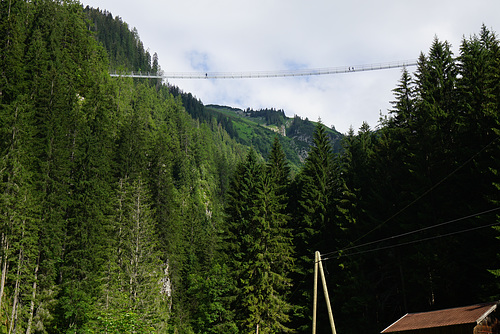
column 121, row 211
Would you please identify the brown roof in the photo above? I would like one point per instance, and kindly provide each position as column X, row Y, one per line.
column 453, row 316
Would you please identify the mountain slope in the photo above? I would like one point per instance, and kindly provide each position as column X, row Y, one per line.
column 256, row 128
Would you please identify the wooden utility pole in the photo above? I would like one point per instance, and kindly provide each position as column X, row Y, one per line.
column 315, row 295
column 317, row 264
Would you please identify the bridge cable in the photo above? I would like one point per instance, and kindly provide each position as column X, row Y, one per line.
column 267, row 74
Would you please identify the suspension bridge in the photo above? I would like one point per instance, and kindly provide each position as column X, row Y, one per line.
column 267, row 74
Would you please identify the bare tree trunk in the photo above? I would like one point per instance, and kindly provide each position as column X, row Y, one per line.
column 33, row 296
column 5, row 244
column 13, row 318
column 108, row 280
column 137, row 215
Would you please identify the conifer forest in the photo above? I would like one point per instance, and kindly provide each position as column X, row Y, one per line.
column 121, row 211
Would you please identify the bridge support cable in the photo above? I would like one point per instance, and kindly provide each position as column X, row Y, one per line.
column 267, row 74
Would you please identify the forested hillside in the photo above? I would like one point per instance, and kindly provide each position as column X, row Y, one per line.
column 254, row 128
column 111, row 195
column 124, row 47
column 120, row 212
column 257, row 128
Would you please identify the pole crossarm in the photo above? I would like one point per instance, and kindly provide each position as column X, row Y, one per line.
column 267, row 74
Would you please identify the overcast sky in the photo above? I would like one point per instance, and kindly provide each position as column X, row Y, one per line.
column 272, row 35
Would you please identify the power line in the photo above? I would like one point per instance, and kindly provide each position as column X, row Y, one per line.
column 426, row 192
column 416, row 231
column 419, row 240
column 267, row 74
column 416, row 200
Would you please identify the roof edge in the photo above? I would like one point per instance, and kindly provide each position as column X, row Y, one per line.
column 395, row 322
column 492, row 306
column 490, row 310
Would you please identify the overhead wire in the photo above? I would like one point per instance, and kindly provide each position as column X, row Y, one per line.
column 412, row 203
column 427, row 191
column 413, row 232
column 418, row 240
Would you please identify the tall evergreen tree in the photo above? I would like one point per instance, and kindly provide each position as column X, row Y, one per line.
column 478, row 134
column 135, row 270
column 278, row 169
column 261, row 247
column 313, row 222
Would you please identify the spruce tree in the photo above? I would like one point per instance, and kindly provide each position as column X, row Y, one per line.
column 312, row 220
column 281, row 243
column 135, row 282
column 478, row 126
column 260, row 244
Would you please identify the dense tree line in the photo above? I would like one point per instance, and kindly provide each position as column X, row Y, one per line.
column 120, row 212
column 202, row 113
column 126, row 50
column 111, row 194
column 431, row 167
column 405, row 216
column 271, row 116
column 303, row 128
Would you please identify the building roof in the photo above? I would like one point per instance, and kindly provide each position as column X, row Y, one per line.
column 448, row 317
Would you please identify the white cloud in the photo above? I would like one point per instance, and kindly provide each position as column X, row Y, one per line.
column 260, row 35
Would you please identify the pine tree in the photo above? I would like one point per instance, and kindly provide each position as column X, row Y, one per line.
column 137, row 258
column 261, row 246
column 71, row 105
column 241, row 234
column 278, row 169
column 404, row 106
column 213, row 313
column 312, row 220
column 281, row 244
column 477, row 140
column 19, row 222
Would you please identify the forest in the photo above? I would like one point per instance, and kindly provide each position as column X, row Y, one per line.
column 120, row 212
